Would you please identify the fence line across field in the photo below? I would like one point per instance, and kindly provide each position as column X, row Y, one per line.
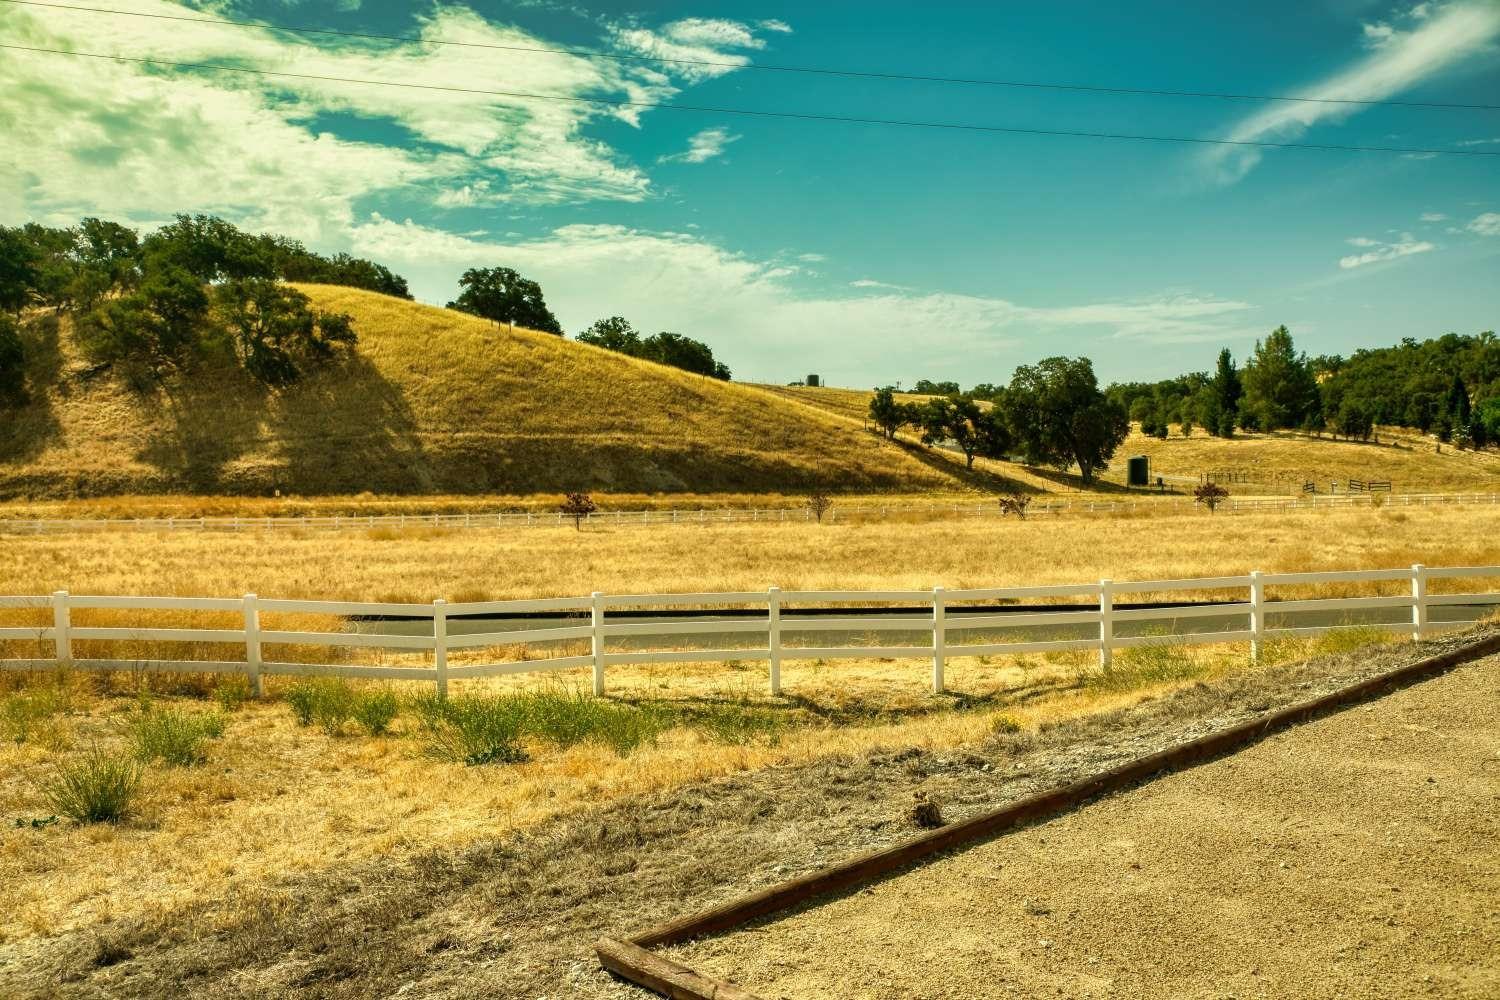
column 726, row 515
column 944, row 622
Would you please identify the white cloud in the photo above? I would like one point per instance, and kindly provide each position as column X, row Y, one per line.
column 773, row 24
column 1379, row 251
column 693, row 40
column 704, row 146
column 1441, row 37
column 1487, row 224
column 753, row 318
column 1479, row 142
column 1434, row 217
column 141, row 142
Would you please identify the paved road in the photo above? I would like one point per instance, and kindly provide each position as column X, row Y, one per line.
column 792, row 636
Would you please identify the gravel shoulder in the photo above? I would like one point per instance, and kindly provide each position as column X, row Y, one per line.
column 516, row 916
column 1358, row 855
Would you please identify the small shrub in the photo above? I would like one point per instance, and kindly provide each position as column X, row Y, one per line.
column 578, row 506
column 1347, row 640
column 375, row 711
column 232, row 693
column 1015, row 503
column 1143, row 666
column 925, row 813
column 1210, row 495
column 99, row 788
column 739, row 724
column 30, row 716
column 471, row 731
column 1005, row 724
column 819, row 504
column 174, row 737
column 328, row 702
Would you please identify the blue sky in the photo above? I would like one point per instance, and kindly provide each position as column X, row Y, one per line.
column 867, row 254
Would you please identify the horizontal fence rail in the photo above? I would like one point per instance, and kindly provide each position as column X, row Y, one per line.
column 780, row 625
column 731, row 515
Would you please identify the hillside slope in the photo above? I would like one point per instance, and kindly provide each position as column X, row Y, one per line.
column 431, row 401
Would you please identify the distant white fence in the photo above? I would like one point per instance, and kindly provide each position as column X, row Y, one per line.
column 727, row 515
column 951, row 614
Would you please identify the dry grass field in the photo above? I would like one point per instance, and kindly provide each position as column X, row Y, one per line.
column 493, row 564
column 431, row 402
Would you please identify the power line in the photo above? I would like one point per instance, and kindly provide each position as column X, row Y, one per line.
column 767, row 67
column 752, row 113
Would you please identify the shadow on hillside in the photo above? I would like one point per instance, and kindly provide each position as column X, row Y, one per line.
column 30, row 426
column 211, row 417
column 1073, row 481
column 952, row 464
column 349, row 429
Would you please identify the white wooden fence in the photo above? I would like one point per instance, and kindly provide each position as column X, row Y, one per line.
column 951, row 614
column 1041, row 506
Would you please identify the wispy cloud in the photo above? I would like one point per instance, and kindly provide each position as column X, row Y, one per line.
column 1376, row 251
column 756, row 317
column 1487, row 224
column 1427, row 39
column 141, row 143
column 705, row 146
column 1434, row 217
column 1480, row 142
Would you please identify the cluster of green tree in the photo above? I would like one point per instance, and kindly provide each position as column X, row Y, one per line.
column 501, row 295
column 194, row 290
column 616, row 334
column 1449, row 387
column 1051, row 413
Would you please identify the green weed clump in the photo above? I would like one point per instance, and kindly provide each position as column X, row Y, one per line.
column 471, row 730
column 1143, row 666
column 326, row 702
column 737, row 724
column 232, row 692
column 98, row 788
column 31, row 716
column 375, row 711
column 174, row 737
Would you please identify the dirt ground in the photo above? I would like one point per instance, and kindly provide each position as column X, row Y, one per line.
column 515, row 915
column 1355, row 856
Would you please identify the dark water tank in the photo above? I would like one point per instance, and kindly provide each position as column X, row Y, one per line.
column 1138, row 471
column 814, row 381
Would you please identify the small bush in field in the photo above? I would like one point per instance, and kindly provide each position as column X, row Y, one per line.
column 174, row 737
column 231, row 693
column 99, row 788
column 1005, row 724
column 375, row 711
column 471, row 731
column 28, row 716
column 328, row 702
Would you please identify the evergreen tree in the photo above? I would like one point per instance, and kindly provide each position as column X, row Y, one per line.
column 1227, row 391
column 1279, row 389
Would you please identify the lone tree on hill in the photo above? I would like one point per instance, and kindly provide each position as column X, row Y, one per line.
column 1060, row 417
column 1210, row 495
column 960, row 420
column 503, row 296
column 887, row 414
column 578, row 506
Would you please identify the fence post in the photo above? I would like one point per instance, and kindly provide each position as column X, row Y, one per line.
column 1418, row 602
column 62, row 628
column 596, row 621
column 252, row 644
column 939, row 640
column 1106, row 622
column 440, row 645
column 773, row 636
column 1257, row 614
